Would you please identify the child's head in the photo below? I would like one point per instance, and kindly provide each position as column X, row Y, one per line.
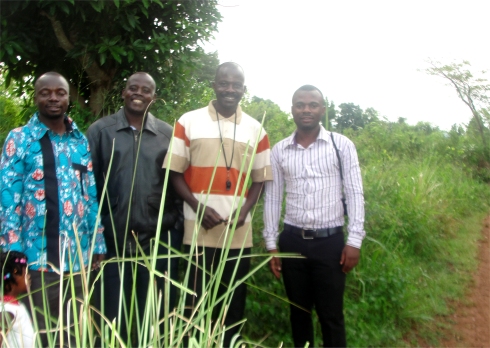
column 13, row 270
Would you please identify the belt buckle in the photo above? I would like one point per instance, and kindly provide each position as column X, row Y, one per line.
column 306, row 237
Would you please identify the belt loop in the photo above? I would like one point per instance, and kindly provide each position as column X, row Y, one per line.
column 305, row 237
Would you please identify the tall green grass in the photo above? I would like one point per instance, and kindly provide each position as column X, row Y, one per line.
column 89, row 327
column 425, row 197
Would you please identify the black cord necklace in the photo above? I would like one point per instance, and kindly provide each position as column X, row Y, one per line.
column 228, row 167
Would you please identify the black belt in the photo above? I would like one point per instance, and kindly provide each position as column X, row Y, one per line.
column 312, row 234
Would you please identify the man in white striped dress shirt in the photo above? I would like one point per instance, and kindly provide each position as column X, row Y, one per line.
column 306, row 165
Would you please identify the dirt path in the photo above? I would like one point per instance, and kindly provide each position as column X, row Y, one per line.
column 472, row 319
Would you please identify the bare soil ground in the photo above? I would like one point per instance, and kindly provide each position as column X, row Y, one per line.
column 471, row 319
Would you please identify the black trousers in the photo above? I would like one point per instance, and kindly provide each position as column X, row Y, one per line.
column 315, row 281
column 211, row 259
column 49, row 282
column 113, row 282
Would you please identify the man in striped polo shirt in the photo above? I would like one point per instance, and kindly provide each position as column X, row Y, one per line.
column 315, row 166
column 213, row 149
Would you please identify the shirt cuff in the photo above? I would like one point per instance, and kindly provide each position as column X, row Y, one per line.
column 270, row 243
column 354, row 242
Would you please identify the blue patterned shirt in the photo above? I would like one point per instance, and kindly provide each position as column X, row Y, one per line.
column 23, row 201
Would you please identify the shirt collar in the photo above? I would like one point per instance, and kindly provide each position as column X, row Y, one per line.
column 212, row 114
column 38, row 128
column 122, row 122
column 323, row 135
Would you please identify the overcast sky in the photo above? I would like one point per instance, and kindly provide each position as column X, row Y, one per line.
column 371, row 53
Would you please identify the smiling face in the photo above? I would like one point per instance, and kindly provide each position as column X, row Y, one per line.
column 51, row 96
column 307, row 109
column 229, row 87
column 138, row 94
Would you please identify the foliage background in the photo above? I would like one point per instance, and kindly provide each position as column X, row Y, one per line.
column 425, row 189
column 98, row 44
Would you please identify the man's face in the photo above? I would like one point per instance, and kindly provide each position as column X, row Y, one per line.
column 307, row 109
column 139, row 92
column 51, row 96
column 229, row 88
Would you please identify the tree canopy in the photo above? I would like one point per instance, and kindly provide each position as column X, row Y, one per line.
column 352, row 116
column 97, row 44
column 277, row 122
column 472, row 90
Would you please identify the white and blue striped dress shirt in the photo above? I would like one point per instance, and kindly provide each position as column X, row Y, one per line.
column 311, row 179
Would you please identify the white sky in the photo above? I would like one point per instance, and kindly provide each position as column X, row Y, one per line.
column 365, row 52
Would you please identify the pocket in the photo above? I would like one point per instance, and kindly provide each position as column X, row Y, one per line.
column 154, row 203
column 153, row 208
column 39, row 243
column 80, row 171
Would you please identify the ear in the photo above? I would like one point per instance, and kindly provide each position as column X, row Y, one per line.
column 244, row 89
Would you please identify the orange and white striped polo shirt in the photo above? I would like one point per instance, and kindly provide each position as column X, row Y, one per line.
column 197, row 152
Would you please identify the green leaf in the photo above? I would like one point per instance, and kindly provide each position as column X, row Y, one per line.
column 17, row 47
column 116, row 2
column 8, row 48
column 115, row 55
column 119, row 50
column 114, row 40
column 64, row 7
column 131, row 20
column 102, row 59
column 97, row 5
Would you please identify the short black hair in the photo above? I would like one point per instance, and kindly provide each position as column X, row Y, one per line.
column 229, row 64
column 11, row 262
column 309, row 88
column 51, row 73
column 142, row 73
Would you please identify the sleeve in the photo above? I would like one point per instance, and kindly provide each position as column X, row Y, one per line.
column 273, row 201
column 178, row 156
column 12, row 185
column 354, row 195
column 93, row 215
column 261, row 169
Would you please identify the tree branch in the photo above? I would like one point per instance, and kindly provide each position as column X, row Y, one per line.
column 59, row 32
column 100, row 79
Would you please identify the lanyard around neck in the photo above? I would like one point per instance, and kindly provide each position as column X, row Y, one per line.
column 228, row 166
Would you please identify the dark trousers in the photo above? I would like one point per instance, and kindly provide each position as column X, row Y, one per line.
column 236, row 308
column 137, row 280
column 49, row 282
column 316, row 281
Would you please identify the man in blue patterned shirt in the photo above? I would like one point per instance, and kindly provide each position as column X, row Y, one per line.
column 49, row 198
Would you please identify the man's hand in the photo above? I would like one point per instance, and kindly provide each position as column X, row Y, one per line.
column 240, row 221
column 275, row 264
column 96, row 260
column 350, row 258
column 210, row 218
